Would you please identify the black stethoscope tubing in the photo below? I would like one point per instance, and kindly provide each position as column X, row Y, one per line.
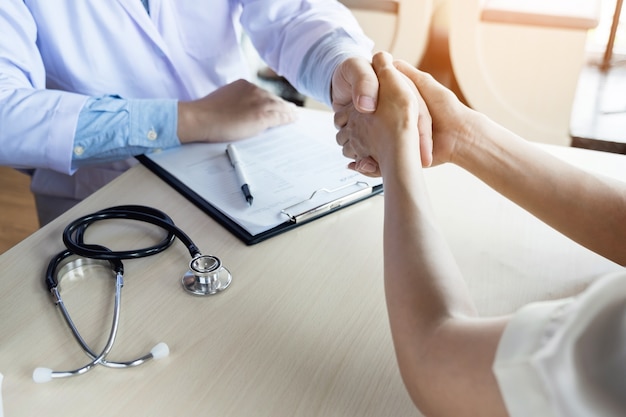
column 51, row 276
column 73, row 235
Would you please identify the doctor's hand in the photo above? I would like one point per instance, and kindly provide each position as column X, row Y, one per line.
column 355, row 84
column 354, row 91
column 235, row 111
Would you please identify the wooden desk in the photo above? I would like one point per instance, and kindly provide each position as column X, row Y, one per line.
column 301, row 332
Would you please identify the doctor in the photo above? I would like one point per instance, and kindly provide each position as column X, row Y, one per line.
column 86, row 85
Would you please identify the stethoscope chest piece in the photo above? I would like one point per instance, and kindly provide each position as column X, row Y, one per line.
column 206, row 276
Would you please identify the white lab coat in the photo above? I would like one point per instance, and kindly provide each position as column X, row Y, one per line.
column 56, row 53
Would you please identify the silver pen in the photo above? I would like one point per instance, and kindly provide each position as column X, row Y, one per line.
column 235, row 161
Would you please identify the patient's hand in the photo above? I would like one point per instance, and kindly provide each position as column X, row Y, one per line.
column 454, row 124
column 236, row 111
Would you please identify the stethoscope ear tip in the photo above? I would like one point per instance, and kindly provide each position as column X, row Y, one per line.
column 41, row 375
column 161, row 350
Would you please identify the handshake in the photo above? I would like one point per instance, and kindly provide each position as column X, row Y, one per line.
column 411, row 117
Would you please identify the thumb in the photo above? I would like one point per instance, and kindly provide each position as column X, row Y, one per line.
column 358, row 80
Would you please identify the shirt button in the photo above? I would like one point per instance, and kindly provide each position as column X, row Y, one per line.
column 79, row 150
column 152, row 134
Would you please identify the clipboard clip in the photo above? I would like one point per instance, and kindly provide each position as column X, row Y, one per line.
column 364, row 190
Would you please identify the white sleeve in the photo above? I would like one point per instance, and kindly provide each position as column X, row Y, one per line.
column 36, row 124
column 288, row 34
column 567, row 358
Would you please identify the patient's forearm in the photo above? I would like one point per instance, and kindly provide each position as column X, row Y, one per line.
column 417, row 258
column 589, row 209
column 444, row 351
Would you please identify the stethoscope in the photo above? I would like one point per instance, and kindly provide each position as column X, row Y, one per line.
column 206, row 276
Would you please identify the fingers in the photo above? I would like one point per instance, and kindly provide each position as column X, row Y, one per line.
column 346, row 147
column 370, row 169
column 424, row 82
column 425, row 129
column 426, row 142
column 273, row 108
column 385, row 66
column 341, row 118
column 342, row 137
column 388, row 75
column 381, row 61
column 410, row 71
column 280, row 116
column 364, row 165
column 367, row 166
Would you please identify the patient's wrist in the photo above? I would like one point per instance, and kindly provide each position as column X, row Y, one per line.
column 475, row 131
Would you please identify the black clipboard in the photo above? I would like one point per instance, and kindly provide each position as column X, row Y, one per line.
column 287, row 163
column 293, row 217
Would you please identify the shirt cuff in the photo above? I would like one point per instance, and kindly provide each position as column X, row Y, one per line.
column 153, row 123
column 319, row 64
column 111, row 128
